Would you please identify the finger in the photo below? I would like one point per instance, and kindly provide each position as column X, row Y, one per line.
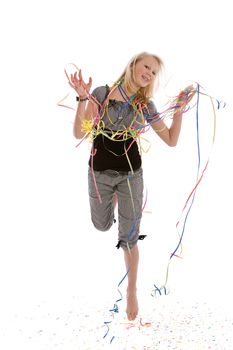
column 191, row 96
column 71, row 81
column 80, row 75
column 190, row 87
column 89, row 83
column 72, row 78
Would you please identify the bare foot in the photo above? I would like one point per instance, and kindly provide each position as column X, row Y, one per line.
column 132, row 306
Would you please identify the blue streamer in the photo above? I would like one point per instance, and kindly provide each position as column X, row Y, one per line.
column 198, row 171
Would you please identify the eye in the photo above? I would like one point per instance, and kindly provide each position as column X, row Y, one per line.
column 146, row 66
column 154, row 73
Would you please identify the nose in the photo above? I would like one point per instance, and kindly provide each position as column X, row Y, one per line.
column 148, row 73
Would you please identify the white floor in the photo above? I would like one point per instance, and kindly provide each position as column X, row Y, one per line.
column 76, row 322
column 62, row 297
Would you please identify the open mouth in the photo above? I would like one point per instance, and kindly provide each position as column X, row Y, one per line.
column 145, row 79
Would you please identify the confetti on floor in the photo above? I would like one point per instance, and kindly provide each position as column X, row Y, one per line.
column 165, row 323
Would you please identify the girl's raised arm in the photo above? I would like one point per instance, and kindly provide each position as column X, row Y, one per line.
column 84, row 110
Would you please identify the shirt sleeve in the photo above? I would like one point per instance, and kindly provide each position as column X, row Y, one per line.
column 95, row 94
column 99, row 93
column 150, row 111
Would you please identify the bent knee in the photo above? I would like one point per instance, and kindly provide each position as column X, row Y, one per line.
column 102, row 226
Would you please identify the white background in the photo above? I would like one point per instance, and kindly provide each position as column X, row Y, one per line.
column 48, row 246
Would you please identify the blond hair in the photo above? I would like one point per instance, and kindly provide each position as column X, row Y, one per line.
column 129, row 81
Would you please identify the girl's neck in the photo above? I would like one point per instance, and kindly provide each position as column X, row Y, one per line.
column 118, row 93
column 131, row 92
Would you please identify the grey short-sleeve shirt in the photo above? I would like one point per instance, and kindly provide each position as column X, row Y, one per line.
column 120, row 115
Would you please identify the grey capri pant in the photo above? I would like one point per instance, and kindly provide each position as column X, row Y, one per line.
column 129, row 189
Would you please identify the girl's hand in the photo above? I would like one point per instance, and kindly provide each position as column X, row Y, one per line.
column 184, row 97
column 78, row 84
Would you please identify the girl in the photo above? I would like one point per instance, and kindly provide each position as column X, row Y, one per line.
column 118, row 115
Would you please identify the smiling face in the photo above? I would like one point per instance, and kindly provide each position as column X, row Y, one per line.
column 141, row 75
column 145, row 71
